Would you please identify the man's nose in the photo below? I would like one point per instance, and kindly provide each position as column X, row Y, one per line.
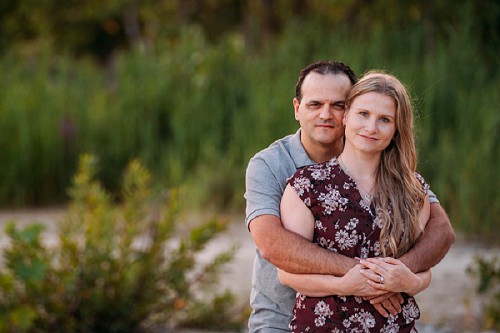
column 325, row 112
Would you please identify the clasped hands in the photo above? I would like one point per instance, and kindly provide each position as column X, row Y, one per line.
column 381, row 281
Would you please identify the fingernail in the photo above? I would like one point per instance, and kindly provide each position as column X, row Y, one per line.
column 362, row 261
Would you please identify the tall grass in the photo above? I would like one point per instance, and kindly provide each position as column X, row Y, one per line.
column 194, row 113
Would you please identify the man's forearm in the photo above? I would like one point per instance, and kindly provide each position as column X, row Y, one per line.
column 293, row 253
column 433, row 243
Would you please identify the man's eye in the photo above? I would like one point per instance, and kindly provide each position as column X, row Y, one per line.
column 339, row 106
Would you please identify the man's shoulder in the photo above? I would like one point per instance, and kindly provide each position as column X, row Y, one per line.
column 277, row 149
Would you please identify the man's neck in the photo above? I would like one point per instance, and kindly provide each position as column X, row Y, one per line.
column 320, row 154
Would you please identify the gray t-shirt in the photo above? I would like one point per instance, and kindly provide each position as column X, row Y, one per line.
column 266, row 175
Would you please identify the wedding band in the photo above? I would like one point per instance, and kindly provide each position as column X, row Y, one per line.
column 381, row 279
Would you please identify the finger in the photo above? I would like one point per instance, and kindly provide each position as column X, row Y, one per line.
column 381, row 309
column 382, row 263
column 378, row 299
column 387, row 304
column 374, row 266
column 377, row 285
column 390, row 260
column 400, row 298
column 369, row 274
column 395, row 304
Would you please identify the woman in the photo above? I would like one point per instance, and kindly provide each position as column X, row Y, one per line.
column 367, row 203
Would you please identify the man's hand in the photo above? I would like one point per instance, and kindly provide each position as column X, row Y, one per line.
column 356, row 284
column 387, row 303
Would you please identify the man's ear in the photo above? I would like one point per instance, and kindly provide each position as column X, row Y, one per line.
column 296, row 105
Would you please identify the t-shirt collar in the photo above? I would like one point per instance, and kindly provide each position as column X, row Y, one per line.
column 298, row 152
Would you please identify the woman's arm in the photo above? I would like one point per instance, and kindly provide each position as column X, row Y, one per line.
column 317, row 285
column 297, row 217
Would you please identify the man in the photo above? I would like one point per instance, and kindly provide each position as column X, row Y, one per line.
column 319, row 107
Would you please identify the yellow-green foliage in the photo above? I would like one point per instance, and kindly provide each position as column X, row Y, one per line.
column 487, row 271
column 117, row 267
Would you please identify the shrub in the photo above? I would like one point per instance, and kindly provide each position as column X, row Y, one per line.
column 116, row 267
column 487, row 271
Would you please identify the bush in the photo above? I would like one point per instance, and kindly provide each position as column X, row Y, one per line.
column 116, row 267
column 487, row 271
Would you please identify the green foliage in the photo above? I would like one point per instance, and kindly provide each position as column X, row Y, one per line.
column 115, row 267
column 487, row 271
column 194, row 111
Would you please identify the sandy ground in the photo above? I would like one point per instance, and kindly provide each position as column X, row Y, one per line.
column 449, row 305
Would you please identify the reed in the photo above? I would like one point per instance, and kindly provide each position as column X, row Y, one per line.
column 195, row 112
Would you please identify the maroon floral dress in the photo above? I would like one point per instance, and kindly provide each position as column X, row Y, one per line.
column 346, row 225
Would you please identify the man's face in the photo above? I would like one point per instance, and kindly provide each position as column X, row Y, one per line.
column 321, row 109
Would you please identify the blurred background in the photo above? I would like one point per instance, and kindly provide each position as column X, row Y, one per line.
column 194, row 88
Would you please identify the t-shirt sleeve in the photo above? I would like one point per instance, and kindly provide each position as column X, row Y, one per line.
column 263, row 190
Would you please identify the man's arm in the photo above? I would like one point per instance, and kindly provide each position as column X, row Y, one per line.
column 293, row 253
column 433, row 243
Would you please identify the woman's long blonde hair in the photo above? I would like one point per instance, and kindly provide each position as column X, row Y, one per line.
column 399, row 194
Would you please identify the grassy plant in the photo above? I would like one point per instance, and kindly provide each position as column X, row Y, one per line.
column 116, row 267
column 195, row 112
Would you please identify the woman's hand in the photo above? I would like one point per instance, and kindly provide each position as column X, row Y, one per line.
column 390, row 274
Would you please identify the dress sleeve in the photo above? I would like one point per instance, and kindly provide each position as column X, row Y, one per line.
column 427, row 188
column 302, row 183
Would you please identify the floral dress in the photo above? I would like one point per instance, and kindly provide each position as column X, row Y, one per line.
column 345, row 224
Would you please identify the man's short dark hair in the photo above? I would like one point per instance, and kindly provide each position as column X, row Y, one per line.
column 323, row 67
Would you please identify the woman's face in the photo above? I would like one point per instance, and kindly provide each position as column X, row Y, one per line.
column 370, row 122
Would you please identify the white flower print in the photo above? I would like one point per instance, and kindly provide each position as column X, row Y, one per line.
column 365, row 318
column 352, row 224
column 411, row 311
column 319, row 225
column 376, row 248
column 332, row 200
column 377, row 221
column 319, row 321
column 390, row 328
column 345, row 240
column 346, row 323
column 322, row 309
column 320, row 173
column 366, row 207
column 364, row 252
column 301, row 184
